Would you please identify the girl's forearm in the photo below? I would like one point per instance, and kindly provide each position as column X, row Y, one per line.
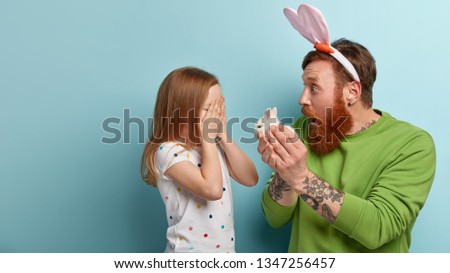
column 241, row 165
column 210, row 166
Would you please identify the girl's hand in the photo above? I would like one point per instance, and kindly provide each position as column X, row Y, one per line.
column 211, row 123
column 223, row 118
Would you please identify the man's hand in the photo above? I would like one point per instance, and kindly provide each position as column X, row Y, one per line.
column 283, row 151
column 286, row 154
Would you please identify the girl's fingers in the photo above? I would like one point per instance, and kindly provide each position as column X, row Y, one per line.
column 210, row 111
column 215, row 108
column 222, row 104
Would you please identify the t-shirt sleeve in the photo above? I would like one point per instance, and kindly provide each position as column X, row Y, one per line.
column 169, row 154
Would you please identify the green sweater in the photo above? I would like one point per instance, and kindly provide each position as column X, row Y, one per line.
column 385, row 173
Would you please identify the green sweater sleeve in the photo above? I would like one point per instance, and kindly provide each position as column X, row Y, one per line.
column 275, row 214
column 396, row 198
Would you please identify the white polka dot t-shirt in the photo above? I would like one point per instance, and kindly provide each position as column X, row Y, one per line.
column 194, row 224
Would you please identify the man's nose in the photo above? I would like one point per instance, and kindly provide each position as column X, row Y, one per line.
column 304, row 99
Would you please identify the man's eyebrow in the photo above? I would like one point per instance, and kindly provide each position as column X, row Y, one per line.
column 310, row 79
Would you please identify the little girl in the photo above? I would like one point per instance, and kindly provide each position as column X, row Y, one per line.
column 190, row 158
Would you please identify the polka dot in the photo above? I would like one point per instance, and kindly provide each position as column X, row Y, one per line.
column 167, row 197
column 217, row 246
column 199, row 206
column 175, row 154
column 232, row 239
column 170, row 217
column 210, row 216
column 160, row 148
column 191, row 228
column 205, row 235
column 222, row 226
column 221, row 203
column 188, row 155
column 178, row 189
column 224, row 189
column 199, row 165
column 180, row 238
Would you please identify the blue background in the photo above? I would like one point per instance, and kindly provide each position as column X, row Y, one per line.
column 67, row 66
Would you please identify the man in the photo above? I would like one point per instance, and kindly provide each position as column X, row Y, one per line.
column 357, row 178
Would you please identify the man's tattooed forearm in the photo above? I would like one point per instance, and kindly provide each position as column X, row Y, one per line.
column 327, row 214
column 277, row 187
column 321, row 190
column 318, row 194
column 310, row 201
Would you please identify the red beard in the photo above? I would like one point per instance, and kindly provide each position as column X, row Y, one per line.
column 325, row 135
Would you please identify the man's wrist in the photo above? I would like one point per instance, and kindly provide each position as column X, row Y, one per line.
column 300, row 181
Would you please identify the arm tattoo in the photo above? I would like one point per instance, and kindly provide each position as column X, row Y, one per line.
column 310, row 201
column 277, row 187
column 319, row 195
column 327, row 214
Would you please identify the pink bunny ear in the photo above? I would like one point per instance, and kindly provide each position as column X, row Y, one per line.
column 309, row 22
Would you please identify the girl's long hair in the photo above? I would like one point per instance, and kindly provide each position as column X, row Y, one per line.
column 178, row 104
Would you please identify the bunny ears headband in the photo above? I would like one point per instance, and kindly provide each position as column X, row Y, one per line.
column 311, row 24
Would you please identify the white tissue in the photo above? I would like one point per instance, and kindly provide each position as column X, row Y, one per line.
column 270, row 118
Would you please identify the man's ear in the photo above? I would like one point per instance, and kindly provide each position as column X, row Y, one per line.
column 353, row 92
